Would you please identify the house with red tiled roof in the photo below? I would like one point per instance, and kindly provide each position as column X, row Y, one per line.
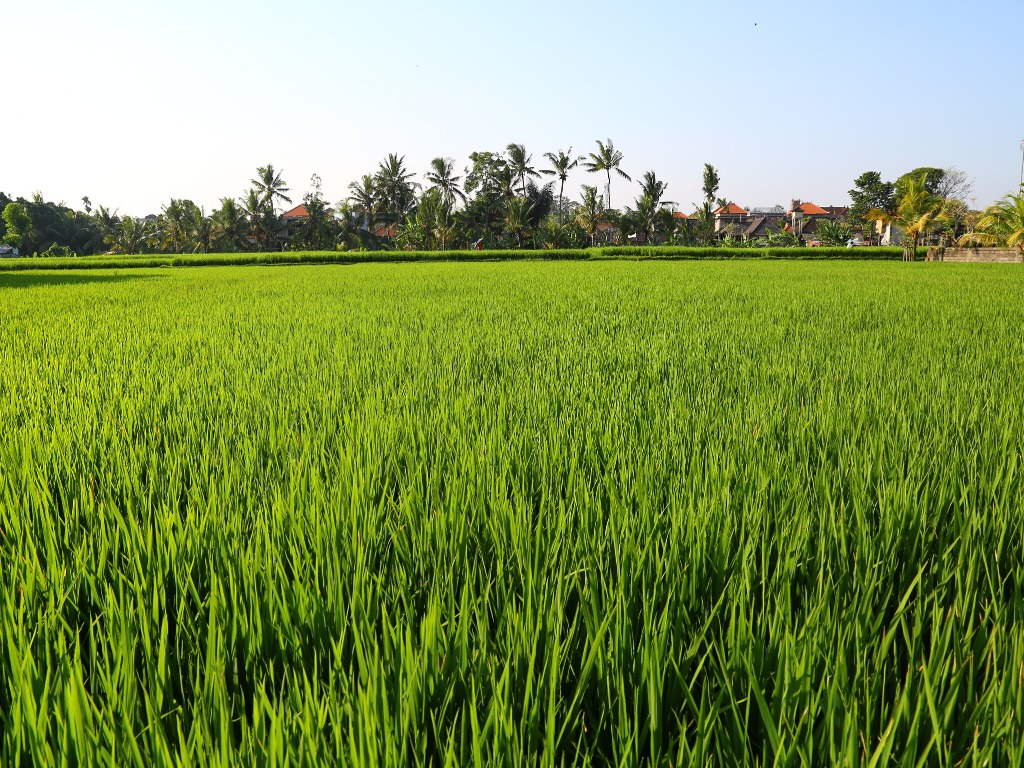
column 731, row 210
column 730, row 220
column 386, row 231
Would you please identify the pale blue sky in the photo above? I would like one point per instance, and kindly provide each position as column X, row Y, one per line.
column 132, row 103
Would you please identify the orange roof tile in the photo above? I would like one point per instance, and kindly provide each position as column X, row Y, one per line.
column 810, row 209
column 680, row 215
column 298, row 212
column 732, row 209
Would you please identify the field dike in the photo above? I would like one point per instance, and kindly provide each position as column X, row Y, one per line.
column 365, row 257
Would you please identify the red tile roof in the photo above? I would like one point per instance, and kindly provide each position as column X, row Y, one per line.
column 298, row 212
column 680, row 215
column 732, row 209
column 810, row 209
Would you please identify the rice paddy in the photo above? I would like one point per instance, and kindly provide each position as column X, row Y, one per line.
column 535, row 513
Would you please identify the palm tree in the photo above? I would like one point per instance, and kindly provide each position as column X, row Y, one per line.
column 174, row 224
column 704, row 223
column 365, row 200
column 130, row 236
column 395, row 189
column 653, row 188
column 606, row 159
column 442, row 176
column 916, row 210
column 1001, row 224
column 592, row 213
column 517, row 217
column 201, row 228
column 645, row 218
column 504, row 179
column 711, row 182
column 519, row 162
column 270, row 186
column 232, row 225
column 253, row 209
column 561, row 164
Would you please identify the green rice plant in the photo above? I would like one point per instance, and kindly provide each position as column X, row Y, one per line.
column 540, row 513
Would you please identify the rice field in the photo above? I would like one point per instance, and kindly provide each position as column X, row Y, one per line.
column 538, row 513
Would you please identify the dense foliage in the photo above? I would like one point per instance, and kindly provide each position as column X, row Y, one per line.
column 499, row 202
column 536, row 514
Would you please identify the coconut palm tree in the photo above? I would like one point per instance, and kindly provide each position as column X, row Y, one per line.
column 253, row 210
column 643, row 219
column 519, row 163
column 396, row 192
column 442, row 177
column 916, row 210
column 232, row 225
column 270, row 187
column 364, row 198
column 592, row 213
column 1001, row 224
column 517, row 218
column 711, row 182
column 201, row 229
column 606, row 159
column 175, row 225
column 561, row 164
column 653, row 188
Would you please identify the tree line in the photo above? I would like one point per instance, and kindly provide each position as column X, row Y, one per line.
column 503, row 199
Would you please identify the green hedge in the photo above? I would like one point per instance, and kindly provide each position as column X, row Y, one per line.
column 363, row 257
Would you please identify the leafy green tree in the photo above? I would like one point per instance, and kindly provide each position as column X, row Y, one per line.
column 606, row 160
column 519, row 163
column 18, row 224
column 711, row 183
column 561, row 164
column 933, row 180
column 482, row 176
column 1000, row 224
column 870, row 193
column 834, row 232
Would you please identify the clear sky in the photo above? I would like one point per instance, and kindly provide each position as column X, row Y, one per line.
column 133, row 103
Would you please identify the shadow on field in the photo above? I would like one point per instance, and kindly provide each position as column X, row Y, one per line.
column 31, row 280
